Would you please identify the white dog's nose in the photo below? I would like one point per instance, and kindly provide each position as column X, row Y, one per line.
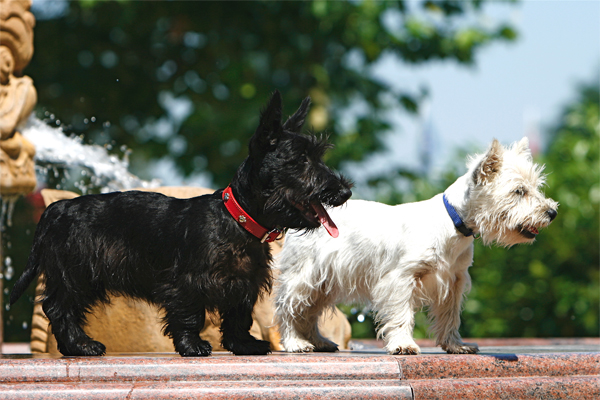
column 552, row 213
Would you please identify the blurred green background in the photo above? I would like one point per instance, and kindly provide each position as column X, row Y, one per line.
column 126, row 63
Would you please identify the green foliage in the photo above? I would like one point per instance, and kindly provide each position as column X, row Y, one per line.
column 120, row 61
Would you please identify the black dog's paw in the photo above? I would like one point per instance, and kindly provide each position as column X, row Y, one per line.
column 327, row 349
column 324, row 345
column 92, row 348
column 247, row 348
column 84, row 348
column 194, row 348
column 202, row 349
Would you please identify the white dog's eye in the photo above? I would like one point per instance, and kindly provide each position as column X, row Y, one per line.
column 520, row 192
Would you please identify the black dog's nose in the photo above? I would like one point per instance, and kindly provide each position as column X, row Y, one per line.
column 552, row 213
column 345, row 194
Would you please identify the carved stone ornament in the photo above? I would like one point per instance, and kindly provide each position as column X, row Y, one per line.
column 17, row 97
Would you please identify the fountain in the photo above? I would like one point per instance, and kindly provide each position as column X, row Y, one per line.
column 55, row 149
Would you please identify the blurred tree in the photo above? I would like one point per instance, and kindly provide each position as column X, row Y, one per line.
column 184, row 81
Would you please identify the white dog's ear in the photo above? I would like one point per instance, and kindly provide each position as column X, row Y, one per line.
column 522, row 148
column 490, row 164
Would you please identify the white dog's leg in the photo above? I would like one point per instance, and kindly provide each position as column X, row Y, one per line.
column 290, row 316
column 297, row 313
column 292, row 338
column 393, row 297
column 445, row 316
column 310, row 330
column 301, row 334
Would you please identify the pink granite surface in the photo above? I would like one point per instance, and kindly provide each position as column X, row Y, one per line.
column 219, row 367
column 528, row 374
column 16, row 348
column 462, row 366
column 210, row 390
column 168, row 376
column 542, row 388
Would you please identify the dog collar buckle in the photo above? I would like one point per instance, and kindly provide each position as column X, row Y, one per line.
column 272, row 235
column 247, row 222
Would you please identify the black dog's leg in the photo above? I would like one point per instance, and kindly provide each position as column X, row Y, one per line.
column 185, row 332
column 67, row 320
column 235, row 327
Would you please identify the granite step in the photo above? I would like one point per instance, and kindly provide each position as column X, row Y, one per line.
column 564, row 372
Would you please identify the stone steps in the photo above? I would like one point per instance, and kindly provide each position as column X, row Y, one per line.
column 345, row 375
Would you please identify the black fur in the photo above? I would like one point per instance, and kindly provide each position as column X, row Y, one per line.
column 187, row 256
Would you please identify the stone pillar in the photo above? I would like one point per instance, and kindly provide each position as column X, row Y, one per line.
column 17, row 99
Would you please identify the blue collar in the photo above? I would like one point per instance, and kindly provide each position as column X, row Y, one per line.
column 458, row 222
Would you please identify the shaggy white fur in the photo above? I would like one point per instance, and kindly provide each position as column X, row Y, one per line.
column 404, row 257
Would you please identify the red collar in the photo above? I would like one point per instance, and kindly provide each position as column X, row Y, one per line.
column 246, row 221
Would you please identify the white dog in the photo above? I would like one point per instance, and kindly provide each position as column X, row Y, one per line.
column 404, row 257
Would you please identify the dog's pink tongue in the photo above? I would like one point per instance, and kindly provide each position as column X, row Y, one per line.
column 325, row 220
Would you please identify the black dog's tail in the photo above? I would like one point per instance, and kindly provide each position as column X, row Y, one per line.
column 31, row 271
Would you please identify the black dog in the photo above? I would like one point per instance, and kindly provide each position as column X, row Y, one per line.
column 186, row 256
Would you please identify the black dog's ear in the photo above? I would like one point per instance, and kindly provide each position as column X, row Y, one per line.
column 269, row 128
column 296, row 121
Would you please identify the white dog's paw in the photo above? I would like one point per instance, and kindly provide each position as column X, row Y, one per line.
column 408, row 348
column 298, row 346
column 461, row 348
